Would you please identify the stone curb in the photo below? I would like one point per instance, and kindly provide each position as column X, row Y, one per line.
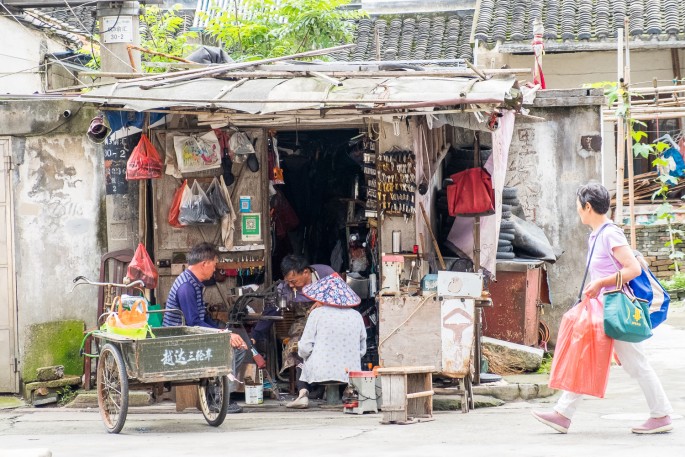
column 89, row 399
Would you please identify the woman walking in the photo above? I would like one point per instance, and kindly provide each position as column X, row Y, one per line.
column 611, row 253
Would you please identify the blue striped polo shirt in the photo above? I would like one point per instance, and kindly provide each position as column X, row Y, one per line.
column 186, row 295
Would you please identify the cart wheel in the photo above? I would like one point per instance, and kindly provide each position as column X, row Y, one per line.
column 214, row 395
column 112, row 388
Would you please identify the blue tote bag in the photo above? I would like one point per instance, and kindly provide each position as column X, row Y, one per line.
column 648, row 289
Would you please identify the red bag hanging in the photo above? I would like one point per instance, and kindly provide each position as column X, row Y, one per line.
column 175, row 208
column 582, row 357
column 141, row 267
column 144, row 162
column 471, row 194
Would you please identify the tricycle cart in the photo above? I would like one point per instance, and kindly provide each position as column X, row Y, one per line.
column 176, row 356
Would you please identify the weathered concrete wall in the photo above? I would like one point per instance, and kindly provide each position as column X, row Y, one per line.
column 58, row 186
column 547, row 164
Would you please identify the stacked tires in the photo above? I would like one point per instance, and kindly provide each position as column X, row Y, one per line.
column 505, row 248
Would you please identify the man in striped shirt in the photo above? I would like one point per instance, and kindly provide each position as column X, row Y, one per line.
column 186, row 295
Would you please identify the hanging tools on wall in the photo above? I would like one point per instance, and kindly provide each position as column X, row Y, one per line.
column 246, row 269
column 396, row 181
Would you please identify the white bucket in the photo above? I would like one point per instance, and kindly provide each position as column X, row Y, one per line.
column 254, row 395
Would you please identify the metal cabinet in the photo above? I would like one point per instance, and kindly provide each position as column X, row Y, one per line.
column 517, row 298
column 417, row 331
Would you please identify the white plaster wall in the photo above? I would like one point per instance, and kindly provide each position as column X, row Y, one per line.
column 572, row 70
column 58, row 192
column 20, row 57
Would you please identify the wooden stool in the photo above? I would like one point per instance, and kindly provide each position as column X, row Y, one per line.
column 407, row 394
column 333, row 397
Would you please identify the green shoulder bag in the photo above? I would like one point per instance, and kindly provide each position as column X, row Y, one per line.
column 626, row 318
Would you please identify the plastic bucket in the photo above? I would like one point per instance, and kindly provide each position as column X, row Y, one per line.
column 254, row 395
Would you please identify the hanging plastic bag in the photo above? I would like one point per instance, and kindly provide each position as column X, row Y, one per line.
column 197, row 153
column 196, row 208
column 142, row 267
column 144, row 162
column 582, row 357
column 241, row 146
column 175, row 207
column 131, row 323
column 228, row 221
column 217, row 198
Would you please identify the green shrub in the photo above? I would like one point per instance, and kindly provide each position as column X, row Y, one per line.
column 677, row 281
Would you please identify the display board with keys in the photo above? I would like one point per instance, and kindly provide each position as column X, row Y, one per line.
column 396, row 182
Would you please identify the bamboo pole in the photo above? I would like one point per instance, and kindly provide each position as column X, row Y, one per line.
column 649, row 117
column 215, row 70
column 332, row 102
column 620, row 138
column 629, row 147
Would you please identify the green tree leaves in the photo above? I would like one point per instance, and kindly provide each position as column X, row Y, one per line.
column 257, row 29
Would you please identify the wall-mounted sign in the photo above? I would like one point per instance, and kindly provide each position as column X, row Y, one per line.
column 245, row 203
column 117, row 29
column 251, row 226
column 117, row 153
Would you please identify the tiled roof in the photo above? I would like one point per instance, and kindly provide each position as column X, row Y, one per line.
column 80, row 21
column 580, row 20
column 412, row 38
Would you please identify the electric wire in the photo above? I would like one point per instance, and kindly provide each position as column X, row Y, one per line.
column 27, row 28
column 37, row 66
column 67, row 120
column 92, row 35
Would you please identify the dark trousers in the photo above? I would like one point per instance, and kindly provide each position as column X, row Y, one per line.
column 316, row 390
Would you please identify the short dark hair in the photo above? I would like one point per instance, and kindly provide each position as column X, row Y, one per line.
column 294, row 262
column 596, row 195
column 201, row 252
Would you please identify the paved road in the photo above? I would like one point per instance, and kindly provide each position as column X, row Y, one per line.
column 601, row 427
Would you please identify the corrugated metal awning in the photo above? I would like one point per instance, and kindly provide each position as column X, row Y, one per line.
column 266, row 95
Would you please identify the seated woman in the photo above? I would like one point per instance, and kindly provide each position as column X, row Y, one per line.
column 334, row 338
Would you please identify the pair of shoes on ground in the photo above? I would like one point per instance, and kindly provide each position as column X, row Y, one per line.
column 233, row 408
column 561, row 424
column 301, row 402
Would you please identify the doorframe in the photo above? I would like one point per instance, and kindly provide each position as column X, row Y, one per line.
column 6, row 158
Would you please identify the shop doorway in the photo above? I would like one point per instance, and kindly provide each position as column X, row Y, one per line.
column 319, row 210
column 9, row 381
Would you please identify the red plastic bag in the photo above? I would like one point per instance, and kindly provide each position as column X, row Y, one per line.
column 175, row 208
column 141, row 267
column 144, row 162
column 582, row 357
column 471, row 194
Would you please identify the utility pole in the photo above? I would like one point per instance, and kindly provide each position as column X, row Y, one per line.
column 119, row 27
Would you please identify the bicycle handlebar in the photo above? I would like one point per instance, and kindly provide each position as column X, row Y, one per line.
column 86, row 281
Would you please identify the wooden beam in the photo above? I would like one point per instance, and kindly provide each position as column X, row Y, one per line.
column 552, row 47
